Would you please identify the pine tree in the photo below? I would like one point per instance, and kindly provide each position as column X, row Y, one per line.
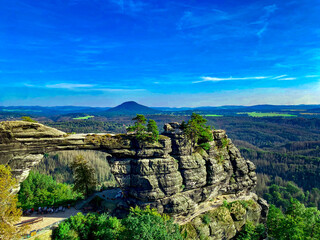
column 9, row 213
column 197, row 130
column 83, row 175
column 153, row 129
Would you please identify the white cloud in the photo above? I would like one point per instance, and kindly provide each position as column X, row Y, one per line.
column 312, row 76
column 117, row 90
column 281, row 76
column 287, row 79
column 89, row 87
column 215, row 79
column 69, row 85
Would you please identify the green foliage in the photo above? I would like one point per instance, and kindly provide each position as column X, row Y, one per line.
column 224, row 142
column 84, row 175
column 298, row 222
column 40, row 190
column 143, row 133
column 9, row 213
column 220, row 159
column 197, row 130
column 91, row 226
column 153, row 129
column 280, row 192
column 57, row 165
column 206, row 146
column 206, row 219
column 144, row 224
column 251, row 232
column 28, row 119
column 140, row 119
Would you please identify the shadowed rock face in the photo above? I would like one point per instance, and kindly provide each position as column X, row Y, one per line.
column 169, row 175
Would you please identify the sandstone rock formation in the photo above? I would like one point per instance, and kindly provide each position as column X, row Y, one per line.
column 169, row 175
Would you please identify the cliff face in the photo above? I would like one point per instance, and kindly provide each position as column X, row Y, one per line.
column 169, row 175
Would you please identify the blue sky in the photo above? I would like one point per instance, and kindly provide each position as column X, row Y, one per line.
column 159, row 53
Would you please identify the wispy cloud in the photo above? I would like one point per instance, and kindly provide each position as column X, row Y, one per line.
column 264, row 19
column 118, row 89
column 129, row 6
column 281, row 76
column 84, row 87
column 215, row 79
column 69, row 85
column 194, row 20
column 312, row 76
column 287, row 79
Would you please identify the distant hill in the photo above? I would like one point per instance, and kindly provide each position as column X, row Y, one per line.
column 50, row 111
column 130, row 108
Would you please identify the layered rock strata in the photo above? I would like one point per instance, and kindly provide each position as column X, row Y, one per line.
column 171, row 175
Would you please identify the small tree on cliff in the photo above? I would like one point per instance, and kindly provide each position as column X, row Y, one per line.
column 138, row 127
column 142, row 132
column 153, row 129
column 9, row 213
column 197, row 130
column 83, row 175
column 28, row 119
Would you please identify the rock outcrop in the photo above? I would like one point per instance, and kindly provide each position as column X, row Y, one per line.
column 170, row 175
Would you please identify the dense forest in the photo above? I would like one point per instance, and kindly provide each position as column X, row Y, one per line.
column 58, row 165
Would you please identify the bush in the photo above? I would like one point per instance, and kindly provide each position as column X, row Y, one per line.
column 28, row 119
column 206, row 146
column 142, row 224
column 40, row 190
column 251, row 232
column 206, row 219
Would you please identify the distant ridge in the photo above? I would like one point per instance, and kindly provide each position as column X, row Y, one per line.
column 130, row 108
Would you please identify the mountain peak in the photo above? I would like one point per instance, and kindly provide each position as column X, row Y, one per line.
column 130, row 108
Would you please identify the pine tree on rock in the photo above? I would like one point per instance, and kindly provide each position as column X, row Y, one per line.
column 153, row 129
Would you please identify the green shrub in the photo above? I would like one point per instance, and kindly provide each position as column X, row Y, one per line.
column 206, row 219
column 224, row 142
column 144, row 224
column 28, row 119
column 251, row 232
column 206, row 146
column 40, row 190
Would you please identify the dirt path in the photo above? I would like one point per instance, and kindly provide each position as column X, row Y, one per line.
column 49, row 219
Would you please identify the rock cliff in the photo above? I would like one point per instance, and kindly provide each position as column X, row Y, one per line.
column 170, row 175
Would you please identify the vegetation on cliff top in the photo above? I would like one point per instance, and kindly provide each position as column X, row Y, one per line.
column 197, row 131
column 149, row 133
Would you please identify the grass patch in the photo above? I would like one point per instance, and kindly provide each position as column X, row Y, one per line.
column 213, row 115
column 267, row 114
column 85, row 117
